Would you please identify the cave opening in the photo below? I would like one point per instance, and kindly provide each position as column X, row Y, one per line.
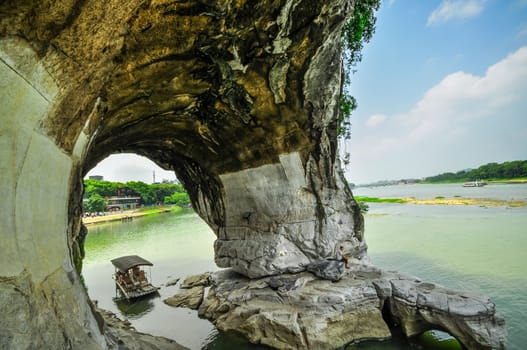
column 178, row 242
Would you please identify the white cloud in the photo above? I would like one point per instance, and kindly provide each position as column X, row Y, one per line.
column 455, row 9
column 375, row 120
column 126, row 167
column 461, row 97
column 464, row 120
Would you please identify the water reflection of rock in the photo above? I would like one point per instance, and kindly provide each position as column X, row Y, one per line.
column 136, row 308
column 120, row 334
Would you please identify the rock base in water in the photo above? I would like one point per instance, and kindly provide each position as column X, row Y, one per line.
column 121, row 335
column 301, row 311
column 190, row 298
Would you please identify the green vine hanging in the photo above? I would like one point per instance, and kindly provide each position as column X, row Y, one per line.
column 357, row 31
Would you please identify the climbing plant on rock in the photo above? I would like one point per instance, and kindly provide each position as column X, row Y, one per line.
column 357, row 31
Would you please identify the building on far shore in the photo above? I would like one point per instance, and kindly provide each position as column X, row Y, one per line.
column 121, row 203
column 96, row 177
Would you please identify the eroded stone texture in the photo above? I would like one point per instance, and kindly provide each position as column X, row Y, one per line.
column 277, row 221
column 190, row 298
column 121, row 335
column 46, row 315
column 301, row 311
column 42, row 300
column 239, row 98
column 197, row 280
column 471, row 318
column 229, row 96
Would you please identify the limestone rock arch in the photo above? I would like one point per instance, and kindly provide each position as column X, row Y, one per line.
column 238, row 98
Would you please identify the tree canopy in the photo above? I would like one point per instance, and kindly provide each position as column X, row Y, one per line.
column 95, row 203
column 506, row 170
column 150, row 194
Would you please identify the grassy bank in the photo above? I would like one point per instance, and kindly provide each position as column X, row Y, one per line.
column 379, row 200
column 487, row 202
column 159, row 209
column 519, row 180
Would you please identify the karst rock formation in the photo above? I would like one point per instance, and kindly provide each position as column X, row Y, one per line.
column 240, row 98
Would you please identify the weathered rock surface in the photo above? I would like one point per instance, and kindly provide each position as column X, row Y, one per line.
column 172, row 282
column 120, row 335
column 35, row 316
column 190, row 298
column 197, row 280
column 240, row 100
column 301, row 311
column 327, row 269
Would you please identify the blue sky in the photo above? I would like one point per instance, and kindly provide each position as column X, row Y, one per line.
column 442, row 87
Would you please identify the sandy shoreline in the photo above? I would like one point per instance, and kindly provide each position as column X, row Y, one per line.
column 487, row 202
column 121, row 216
column 482, row 202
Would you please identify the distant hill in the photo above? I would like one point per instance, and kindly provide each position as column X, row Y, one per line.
column 491, row 171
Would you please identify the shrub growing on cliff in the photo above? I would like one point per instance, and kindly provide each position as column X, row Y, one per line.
column 363, row 207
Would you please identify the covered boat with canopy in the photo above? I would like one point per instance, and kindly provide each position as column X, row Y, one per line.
column 130, row 279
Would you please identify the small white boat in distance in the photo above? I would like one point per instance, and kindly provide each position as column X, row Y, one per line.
column 474, row 184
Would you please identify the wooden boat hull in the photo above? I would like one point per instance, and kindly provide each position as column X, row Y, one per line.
column 130, row 292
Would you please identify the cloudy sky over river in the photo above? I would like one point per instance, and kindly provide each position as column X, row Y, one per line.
column 442, row 87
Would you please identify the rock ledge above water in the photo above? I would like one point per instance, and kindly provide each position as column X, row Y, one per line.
column 301, row 311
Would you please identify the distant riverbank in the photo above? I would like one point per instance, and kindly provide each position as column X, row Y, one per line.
column 522, row 180
column 128, row 215
column 440, row 200
column 519, row 180
column 445, row 181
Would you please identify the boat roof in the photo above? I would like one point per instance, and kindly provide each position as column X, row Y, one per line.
column 124, row 263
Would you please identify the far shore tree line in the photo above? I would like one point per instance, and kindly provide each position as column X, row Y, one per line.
column 491, row 171
column 97, row 193
column 507, row 171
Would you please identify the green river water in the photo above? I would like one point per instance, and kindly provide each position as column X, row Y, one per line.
column 471, row 248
